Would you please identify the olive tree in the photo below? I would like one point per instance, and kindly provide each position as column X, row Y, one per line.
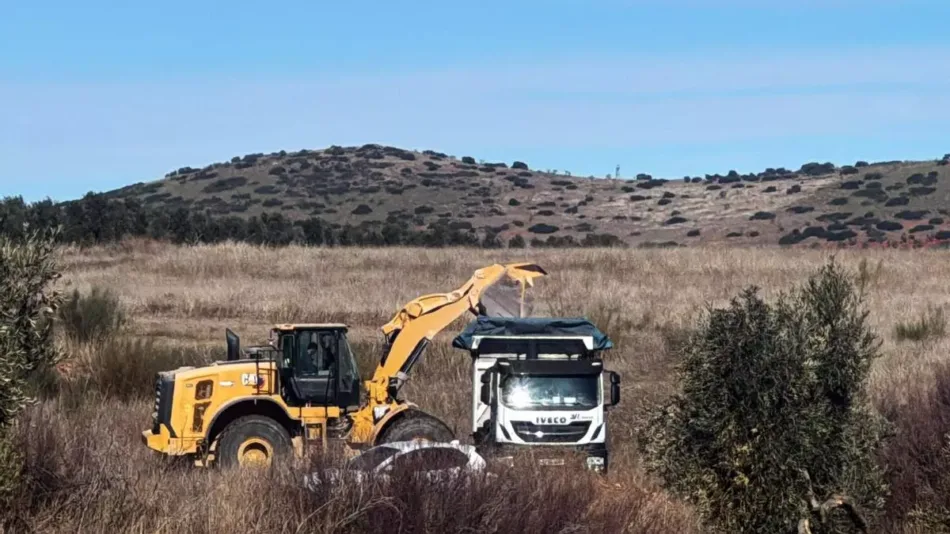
column 772, row 430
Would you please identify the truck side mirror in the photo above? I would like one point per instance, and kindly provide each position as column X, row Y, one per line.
column 486, row 388
column 234, row 345
column 614, row 388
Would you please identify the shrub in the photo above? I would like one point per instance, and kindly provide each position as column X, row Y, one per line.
column 520, row 165
column 912, row 215
column 125, row 368
column 773, row 409
column 848, row 169
column 841, row 201
column 861, row 164
column 27, row 271
column 800, row 209
column 638, row 198
column 516, row 242
column 817, row 169
column 542, row 228
column 272, row 202
column 422, row 210
column 854, row 184
column 663, row 202
column 362, row 209
column 929, row 325
column 693, row 233
column 92, row 317
column 675, row 220
column 922, row 191
column 872, row 176
column 225, row 184
column 794, row 189
column 769, row 189
column 921, row 228
column 897, row 201
column 762, row 216
column 513, row 202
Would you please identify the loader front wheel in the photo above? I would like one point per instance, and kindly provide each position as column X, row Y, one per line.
column 417, row 426
column 252, row 441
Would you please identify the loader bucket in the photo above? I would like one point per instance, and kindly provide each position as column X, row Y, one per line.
column 509, row 296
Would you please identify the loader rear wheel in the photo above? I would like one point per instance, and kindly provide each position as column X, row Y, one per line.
column 252, row 441
column 417, row 426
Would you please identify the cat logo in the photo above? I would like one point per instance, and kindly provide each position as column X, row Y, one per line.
column 251, row 379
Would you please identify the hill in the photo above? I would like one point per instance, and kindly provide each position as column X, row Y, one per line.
column 371, row 186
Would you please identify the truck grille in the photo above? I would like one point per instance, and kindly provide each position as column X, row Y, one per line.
column 569, row 433
column 162, row 415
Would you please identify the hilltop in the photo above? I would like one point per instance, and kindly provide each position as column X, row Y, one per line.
column 372, row 185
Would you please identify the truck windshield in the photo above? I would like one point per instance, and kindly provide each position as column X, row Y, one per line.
column 550, row 392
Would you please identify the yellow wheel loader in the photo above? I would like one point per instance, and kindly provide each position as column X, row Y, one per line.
column 303, row 390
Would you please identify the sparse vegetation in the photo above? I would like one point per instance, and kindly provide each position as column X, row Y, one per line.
column 93, row 316
column 929, row 325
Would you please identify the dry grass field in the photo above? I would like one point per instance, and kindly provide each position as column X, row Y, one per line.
column 89, row 471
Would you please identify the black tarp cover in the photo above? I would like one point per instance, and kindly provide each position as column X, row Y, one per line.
column 531, row 326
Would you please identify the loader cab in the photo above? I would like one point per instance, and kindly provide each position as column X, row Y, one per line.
column 316, row 365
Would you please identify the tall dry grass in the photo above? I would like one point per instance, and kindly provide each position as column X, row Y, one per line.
column 184, row 297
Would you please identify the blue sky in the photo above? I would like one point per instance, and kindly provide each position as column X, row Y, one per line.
column 98, row 95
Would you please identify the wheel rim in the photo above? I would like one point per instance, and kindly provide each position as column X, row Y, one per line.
column 255, row 452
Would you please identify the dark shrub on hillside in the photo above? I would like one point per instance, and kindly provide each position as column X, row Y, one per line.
column 773, row 408
column 675, row 220
column 874, row 185
column 734, row 234
column 272, row 202
column 513, row 202
column 762, row 216
column 921, row 228
column 840, row 235
column 943, row 234
column 889, row 226
column 664, row 202
column 841, row 201
column 545, row 213
column 714, row 187
column 794, row 189
column 851, row 185
column 897, row 201
column 602, row 240
column 225, row 184
column 861, row 164
column 837, row 227
column 936, row 220
column 872, row 176
column 266, row 190
column 875, row 195
column 460, row 225
column 922, row 191
column 542, row 228
column 362, row 209
column 650, row 184
column 93, row 316
column 848, row 169
column 520, row 165
column 912, row 215
column 693, row 233
column 769, row 189
column 638, row 198
column 817, row 169
column 800, row 209
column 276, row 169
column 422, row 210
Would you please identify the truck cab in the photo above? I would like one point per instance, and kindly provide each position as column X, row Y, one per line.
column 540, row 383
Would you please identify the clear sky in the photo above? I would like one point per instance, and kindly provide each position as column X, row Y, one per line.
column 97, row 95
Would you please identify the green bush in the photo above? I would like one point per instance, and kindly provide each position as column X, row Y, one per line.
column 27, row 270
column 92, row 317
column 772, row 408
column 929, row 325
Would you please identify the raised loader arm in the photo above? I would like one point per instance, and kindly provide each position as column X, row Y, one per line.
column 413, row 327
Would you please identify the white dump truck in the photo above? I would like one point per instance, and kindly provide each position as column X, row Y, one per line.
column 540, row 382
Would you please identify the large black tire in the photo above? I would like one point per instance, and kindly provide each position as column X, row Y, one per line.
column 252, row 440
column 416, row 425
